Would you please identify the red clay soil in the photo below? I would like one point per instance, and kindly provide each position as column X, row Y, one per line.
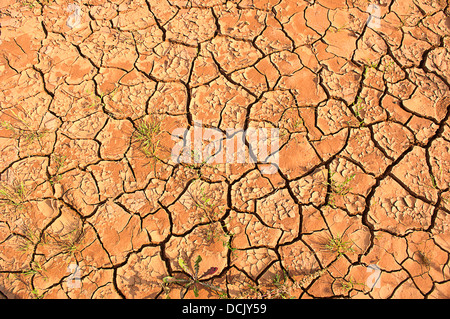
column 92, row 205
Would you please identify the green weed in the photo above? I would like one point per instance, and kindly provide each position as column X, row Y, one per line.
column 339, row 188
column 197, row 164
column 338, row 245
column 194, row 279
column 370, row 65
column 389, row 67
column 280, row 287
column 24, row 130
column 348, row 285
column 15, row 194
column 36, row 294
column 97, row 100
column 32, row 3
column 60, row 161
column 147, row 135
column 69, row 242
column 358, row 107
column 30, row 239
column 211, row 214
column 36, row 268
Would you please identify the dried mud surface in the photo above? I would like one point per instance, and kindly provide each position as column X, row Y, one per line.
column 363, row 115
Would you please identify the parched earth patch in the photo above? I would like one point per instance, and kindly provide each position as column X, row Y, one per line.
column 106, row 191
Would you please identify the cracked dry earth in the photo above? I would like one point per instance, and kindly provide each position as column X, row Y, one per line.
column 363, row 178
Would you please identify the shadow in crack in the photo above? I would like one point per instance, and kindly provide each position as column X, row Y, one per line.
column 6, row 294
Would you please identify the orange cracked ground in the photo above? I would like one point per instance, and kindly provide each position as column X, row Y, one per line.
column 93, row 206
